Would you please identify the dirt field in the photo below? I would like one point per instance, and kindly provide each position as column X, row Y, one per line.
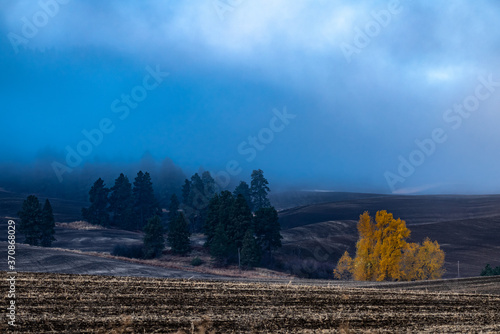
column 56, row 303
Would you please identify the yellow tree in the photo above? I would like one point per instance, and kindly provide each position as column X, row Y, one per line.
column 363, row 267
column 430, row 260
column 390, row 235
column 409, row 262
column 343, row 270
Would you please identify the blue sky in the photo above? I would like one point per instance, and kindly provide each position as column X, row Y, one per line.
column 362, row 81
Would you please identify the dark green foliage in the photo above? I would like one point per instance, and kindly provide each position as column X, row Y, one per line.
column 145, row 204
column 219, row 246
column 47, row 225
column 212, row 219
column 241, row 220
column 186, row 189
column 121, row 202
column 173, row 208
column 154, row 242
column 267, row 229
column 196, row 262
column 209, row 187
column 244, row 190
column 259, row 189
column 489, row 271
column 132, row 252
column 97, row 213
column 178, row 235
column 250, row 251
column 31, row 217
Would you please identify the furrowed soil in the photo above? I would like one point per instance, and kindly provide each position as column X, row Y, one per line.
column 60, row 303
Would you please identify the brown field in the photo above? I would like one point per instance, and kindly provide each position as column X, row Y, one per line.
column 59, row 303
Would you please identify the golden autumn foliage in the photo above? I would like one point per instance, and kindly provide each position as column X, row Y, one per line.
column 344, row 267
column 382, row 253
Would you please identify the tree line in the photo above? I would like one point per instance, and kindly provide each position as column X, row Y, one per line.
column 240, row 226
column 383, row 253
column 37, row 223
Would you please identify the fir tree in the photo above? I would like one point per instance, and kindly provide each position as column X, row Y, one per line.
column 219, row 245
column 241, row 221
column 47, row 225
column 31, row 216
column 267, row 229
column 186, row 190
column 154, row 241
column 212, row 219
column 145, row 203
column 178, row 235
column 259, row 189
column 250, row 251
column 120, row 203
column 244, row 190
column 97, row 213
column 173, row 208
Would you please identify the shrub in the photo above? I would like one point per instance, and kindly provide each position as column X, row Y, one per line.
column 130, row 251
column 196, row 262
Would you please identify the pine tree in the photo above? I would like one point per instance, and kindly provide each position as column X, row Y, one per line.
column 208, row 185
column 241, row 221
column 259, row 189
column 199, row 203
column 212, row 219
column 186, row 190
column 154, row 241
column 178, row 235
column 121, row 202
column 47, row 225
column 97, row 213
column 267, row 229
column 244, row 190
column 250, row 251
column 145, row 203
column 31, row 217
column 173, row 208
column 219, row 245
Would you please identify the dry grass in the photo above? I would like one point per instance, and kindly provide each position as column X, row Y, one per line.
column 55, row 303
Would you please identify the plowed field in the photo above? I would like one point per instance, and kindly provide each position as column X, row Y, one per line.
column 59, row 303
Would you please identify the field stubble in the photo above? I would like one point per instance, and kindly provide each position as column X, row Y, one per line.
column 60, row 303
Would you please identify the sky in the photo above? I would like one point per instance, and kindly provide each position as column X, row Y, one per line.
column 373, row 96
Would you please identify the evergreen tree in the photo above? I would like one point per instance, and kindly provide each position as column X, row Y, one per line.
column 219, row 246
column 250, row 251
column 241, row 221
column 186, row 190
column 154, row 241
column 244, row 190
column 267, row 229
column 209, row 187
column 259, row 189
column 97, row 213
column 121, row 202
column 145, row 203
column 199, row 202
column 31, row 217
column 173, row 208
column 178, row 235
column 212, row 219
column 47, row 225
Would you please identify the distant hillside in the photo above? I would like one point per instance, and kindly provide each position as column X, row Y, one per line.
column 466, row 227
column 413, row 209
column 292, row 199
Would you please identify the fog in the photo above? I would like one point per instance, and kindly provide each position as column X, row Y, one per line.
column 365, row 96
